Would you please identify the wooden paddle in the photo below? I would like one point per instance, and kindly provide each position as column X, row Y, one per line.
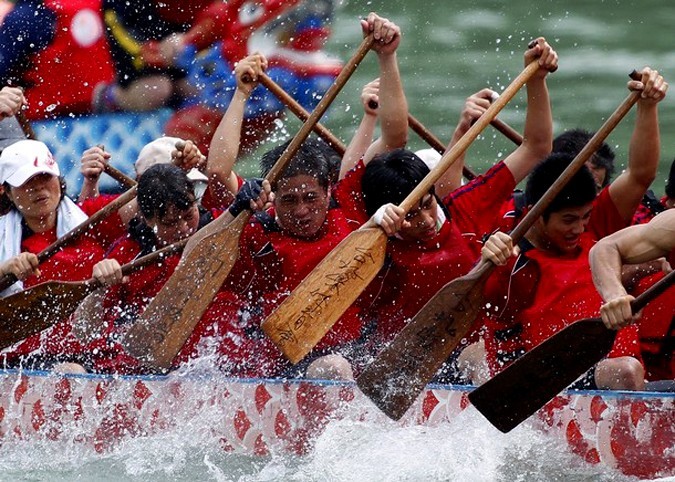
column 8, row 280
column 37, row 308
column 436, row 143
column 426, row 135
column 300, row 112
column 168, row 321
column 119, row 176
column 25, row 125
column 400, row 372
column 535, row 378
column 303, row 318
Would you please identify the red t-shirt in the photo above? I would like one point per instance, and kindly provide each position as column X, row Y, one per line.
column 538, row 294
column 124, row 303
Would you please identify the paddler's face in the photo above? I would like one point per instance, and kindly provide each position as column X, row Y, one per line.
column 599, row 174
column 562, row 230
column 301, row 206
column 38, row 197
column 176, row 225
column 423, row 221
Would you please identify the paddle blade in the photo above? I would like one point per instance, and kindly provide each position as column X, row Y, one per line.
column 33, row 310
column 166, row 324
column 402, row 370
column 299, row 323
column 529, row 383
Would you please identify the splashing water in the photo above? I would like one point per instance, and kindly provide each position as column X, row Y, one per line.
column 361, row 445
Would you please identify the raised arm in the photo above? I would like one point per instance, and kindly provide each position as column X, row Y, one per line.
column 92, row 163
column 645, row 146
column 635, row 244
column 225, row 142
column 474, row 106
column 538, row 132
column 393, row 107
column 363, row 137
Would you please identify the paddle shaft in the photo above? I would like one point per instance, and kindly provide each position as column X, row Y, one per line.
column 436, row 143
column 300, row 112
column 25, row 126
column 143, row 261
column 320, row 109
column 451, row 155
column 119, row 176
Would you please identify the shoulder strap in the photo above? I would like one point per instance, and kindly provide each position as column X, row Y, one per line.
column 651, row 202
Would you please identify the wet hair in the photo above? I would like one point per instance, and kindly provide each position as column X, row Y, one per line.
column 573, row 141
column 578, row 191
column 310, row 160
column 670, row 182
column 334, row 159
column 6, row 204
column 390, row 177
column 164, row 186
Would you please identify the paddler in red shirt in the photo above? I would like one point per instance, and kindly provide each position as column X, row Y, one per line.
column 549, row 284
column 309, row 217
column 439, row 239
column 639, row 244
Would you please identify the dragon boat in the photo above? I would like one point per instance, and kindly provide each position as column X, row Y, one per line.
column 630, row 432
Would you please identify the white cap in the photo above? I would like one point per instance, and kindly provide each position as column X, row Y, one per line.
column 429, row 156
column 159, row 152
column 24, row 159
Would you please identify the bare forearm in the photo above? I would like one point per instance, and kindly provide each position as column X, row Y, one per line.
column 394, row 106
column 362, row 139
column 645, row 145
column 224, row 146
column 89, row 190
column 606, row 266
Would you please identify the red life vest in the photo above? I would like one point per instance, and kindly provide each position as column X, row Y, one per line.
column 62, row 77
column 540, row 293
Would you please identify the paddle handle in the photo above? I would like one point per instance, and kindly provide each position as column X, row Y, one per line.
column 26, row 126
column 119, row 176
column 320, row 109
column 138, row 263
column 301, row 113
column 509, row 132
column 435, row 143
column 8, row 280
column 463, row 144
column 589, row 149
column 654, row 290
